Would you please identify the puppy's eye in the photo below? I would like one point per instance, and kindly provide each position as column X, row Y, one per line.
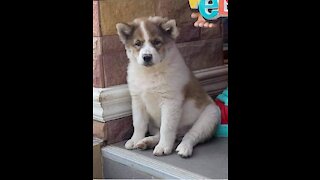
column 156, row 42
column 138, row 43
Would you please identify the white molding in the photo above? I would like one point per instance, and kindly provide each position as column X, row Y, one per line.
column 111, row 103
column 115, row 102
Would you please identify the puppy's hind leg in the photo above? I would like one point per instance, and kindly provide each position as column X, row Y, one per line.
column 202, row 129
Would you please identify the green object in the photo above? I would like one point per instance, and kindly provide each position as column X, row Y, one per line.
column 224, row 97
column 222, row 130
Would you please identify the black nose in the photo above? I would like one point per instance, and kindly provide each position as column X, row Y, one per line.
column 147, row 57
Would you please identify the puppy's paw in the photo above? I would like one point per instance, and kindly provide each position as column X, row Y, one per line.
column 147, row 142
column 184, row 150
column 160, row 150
column 130, row 144
column 142, row 145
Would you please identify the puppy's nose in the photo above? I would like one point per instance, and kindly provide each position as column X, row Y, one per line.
column 147, row 57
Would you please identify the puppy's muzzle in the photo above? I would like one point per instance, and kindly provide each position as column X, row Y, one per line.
column 147, row 59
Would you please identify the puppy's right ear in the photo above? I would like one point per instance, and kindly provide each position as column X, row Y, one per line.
column 124, row 31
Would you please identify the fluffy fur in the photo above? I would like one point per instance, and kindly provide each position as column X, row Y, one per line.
column 167, row 100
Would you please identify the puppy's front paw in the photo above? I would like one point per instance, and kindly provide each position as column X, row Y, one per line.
column 142, row 145
column 184, row 150
column 160, row 150
column 130, row 144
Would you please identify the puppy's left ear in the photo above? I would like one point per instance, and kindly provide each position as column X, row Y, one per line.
column 170, row 27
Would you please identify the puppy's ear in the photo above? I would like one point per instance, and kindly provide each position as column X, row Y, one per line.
column 170, row 27
column 124, row 31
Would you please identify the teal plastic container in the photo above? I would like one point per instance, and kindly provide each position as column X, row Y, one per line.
column 222, row 130
column 224, row 97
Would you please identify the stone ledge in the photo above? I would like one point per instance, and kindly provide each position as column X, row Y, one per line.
column 115, row 102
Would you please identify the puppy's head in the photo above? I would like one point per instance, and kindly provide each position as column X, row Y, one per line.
column 145, row 39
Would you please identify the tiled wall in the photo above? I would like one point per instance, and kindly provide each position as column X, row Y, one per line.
column 201, row 48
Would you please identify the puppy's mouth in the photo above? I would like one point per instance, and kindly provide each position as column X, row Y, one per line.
column 148, row 64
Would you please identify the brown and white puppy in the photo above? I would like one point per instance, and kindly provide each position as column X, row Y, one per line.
column 167, row 100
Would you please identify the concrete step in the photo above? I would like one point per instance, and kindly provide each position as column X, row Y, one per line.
column 209, row 161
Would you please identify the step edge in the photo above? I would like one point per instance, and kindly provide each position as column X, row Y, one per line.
column 148, row 165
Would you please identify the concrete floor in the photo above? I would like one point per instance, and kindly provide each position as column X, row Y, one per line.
column 209, row 159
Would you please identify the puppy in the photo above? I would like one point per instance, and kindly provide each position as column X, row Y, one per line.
column 167, row 99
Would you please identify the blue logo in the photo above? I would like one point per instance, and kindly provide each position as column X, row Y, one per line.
column 209, row 9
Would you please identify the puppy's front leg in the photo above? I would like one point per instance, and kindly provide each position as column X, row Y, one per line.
column 140, row 122
column 170, row 116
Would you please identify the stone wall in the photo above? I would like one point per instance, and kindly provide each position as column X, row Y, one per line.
column 201, row 48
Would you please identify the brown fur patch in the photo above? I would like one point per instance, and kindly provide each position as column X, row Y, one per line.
column 142, row 146
column 154, row 27
column 193, row 90
column 136, row 35
column 153, row 30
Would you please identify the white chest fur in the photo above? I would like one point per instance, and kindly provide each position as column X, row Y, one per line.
column 154, row 84
column 150, row 87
